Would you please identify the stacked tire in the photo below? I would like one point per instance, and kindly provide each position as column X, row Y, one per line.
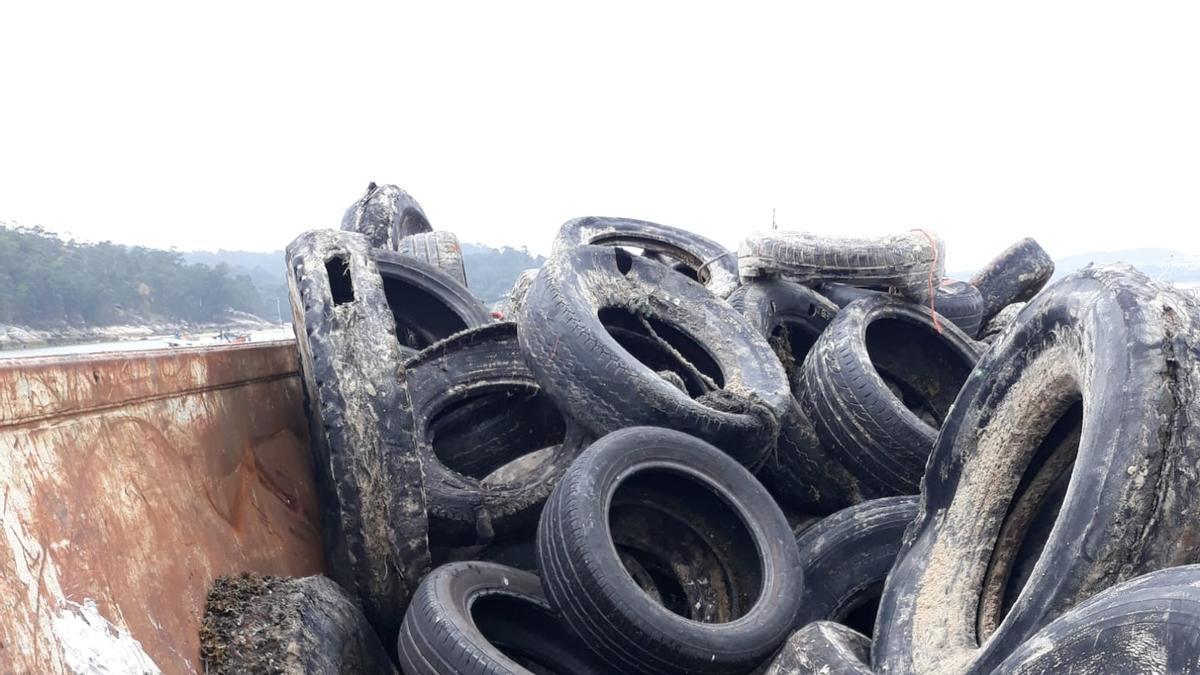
column 802, row 456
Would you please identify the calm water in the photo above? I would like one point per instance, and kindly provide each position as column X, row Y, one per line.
column 138, row 345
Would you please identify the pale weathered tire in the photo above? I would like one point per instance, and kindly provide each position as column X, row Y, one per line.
column 439, row 249
column 823, row 648
column 1090, row 395
column 385, row 215
column 366, row 470
column 911, row 263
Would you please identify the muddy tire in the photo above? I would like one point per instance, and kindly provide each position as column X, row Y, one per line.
column 385, row 215
column 823, row 648
column 800, row 472
column 1148, row 625
column 476, row 618
column 701, row 259
column 1016, row 275
column 999, row 323
column 877, row 386
column 741, row 581
column 256, row 624
column 481, row 371
column 586, row 299
column 427, row 304
column 366, row 471
column 1093, row 388
column 851, row 553
column 510, row 306
column 439, row 249
column 912, row 264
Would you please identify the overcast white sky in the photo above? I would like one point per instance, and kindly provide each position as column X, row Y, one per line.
column 237, row 125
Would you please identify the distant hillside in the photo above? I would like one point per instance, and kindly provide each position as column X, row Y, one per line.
column 1163, row 264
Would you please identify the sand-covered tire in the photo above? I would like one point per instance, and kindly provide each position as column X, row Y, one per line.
column 823, row 648
column 800, row 472
column 1016, row 275
column 877, row 386
column 912, row 263
column 366, row 470
column 1150, row 624
column 256, row 624
column 439, row 249
column 478, row 618
column 1000, row 322
column 588, row 299
column 744, row 580
column 427, row 304
column 482, row 372
column 1067, row 466
column 701, row 259
column 511, row 304
column 385, row 215
column 846, row 558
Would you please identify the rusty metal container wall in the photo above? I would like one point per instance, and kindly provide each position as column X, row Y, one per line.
column 128, row 482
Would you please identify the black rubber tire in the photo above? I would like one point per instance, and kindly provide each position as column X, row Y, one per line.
column 485, row 365
column 511, row 304
column 865, row 426
column 256, row 624
column 478, row 618
column 999, row 323
column 367, row 474
column 598, row 382
column 1016, row 275
column 704, row 260
column 823, row 648
column 1150, row 624
column 956, row 301
column 439, row 249
column 800, row 472
column 427, row 304
column 1105, row 351
column 385, row 215
column 847, row 557
column 912, row 263
column 753, row 573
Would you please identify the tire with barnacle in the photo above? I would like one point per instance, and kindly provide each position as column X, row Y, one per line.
column 1066, row 466
column 1016, row 275
column 599, row 326
column 385, row 214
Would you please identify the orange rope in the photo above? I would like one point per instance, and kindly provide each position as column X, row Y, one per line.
column 937, row 325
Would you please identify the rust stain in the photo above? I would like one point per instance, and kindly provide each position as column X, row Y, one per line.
column 135, row 480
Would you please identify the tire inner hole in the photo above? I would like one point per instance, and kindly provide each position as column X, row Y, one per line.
column 918, row 366
column 421, row 318
column 663, row 348
column 684, row 546
column 791, row 342
column 497, row 436
column 528, row 634
column 1031, row 516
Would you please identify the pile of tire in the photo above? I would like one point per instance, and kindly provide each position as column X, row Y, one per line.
column 814, row 454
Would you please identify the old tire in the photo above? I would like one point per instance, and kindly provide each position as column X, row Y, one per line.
column 1150, row 624
column 847, row 557
column 385, row 215
column 1016, row 275
column 439, row 249
column 427, row 304
column 958, row 302
column 481, row 371
column 883, row 438
column 256, row 624
column 910, row 263
column 1095, row 383
column 511, row 304
column 744, row 566
column 823, row 648
column 477, row 618
column 367, row 473
column 1000, row 322
column 587, row 297
column 702, row 259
